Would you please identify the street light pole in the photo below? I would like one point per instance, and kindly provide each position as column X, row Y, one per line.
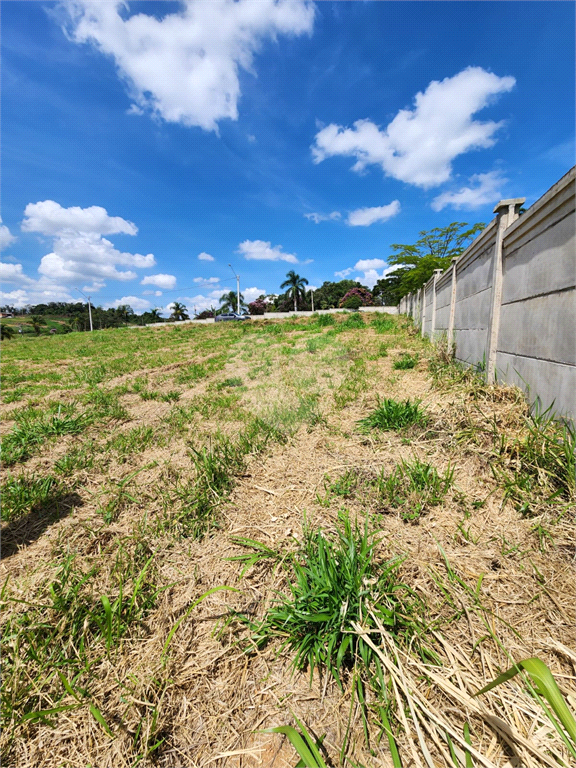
column 89, row 308
column 312, row 292
column 237, row 286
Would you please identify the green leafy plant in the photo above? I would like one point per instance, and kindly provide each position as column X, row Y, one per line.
column 306, row 747
column 405, row 362
column 414, row 486
column 26, row 493
column 391, row 414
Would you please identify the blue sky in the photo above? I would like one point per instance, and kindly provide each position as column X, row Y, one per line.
column 146, row 146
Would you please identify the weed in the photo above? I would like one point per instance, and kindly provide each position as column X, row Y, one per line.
column 26, row 493
column 542, row 459
column 324, row 320
column 32, row 430
column 405, row 362
column 354, row 382
column 353, row 321
column 135, row 440
column 235, row 381
column 391, row 414
column 172, row 396
column 338, row 582
column 51, row 642
column 414, row 485
column 79, row 458
column 344, row 486
column 383, row 324
column 191, row 373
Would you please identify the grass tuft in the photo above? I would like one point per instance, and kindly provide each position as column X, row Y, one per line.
column 391, row 414
column 415, row 486
column 405, row 362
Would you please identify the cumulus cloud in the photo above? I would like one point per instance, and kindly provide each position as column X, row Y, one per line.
column 419, row 145
column 167, row 282
column 49, row 218
column 261, row 250
column 12, row 273
column 318, row 217
column 369, row 268
column 79, row 250
column 206, row 280
column 6, row 237
column 363, row 217
column 137, row 304
column 205, row 257
column 184, row 67
column 486, row 190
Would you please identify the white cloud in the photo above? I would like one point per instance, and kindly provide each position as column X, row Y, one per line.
column 12, row 273
column 49, row 218
column 419, row 145
column 260, row 250
column 365, row 264
column 251, row 294
column 205, row 257
column 79, row 252
column 137, row 304
column 184, row 67
column 206, row 280
column 487, row 191
column 318, row 217
column 6, row 237
column 167, row 282
column 363, row 217
column 369, row 268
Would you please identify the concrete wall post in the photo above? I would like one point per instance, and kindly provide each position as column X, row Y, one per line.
column 507, row 212
column 423, row 306
column 450, row 334
column 437, row 273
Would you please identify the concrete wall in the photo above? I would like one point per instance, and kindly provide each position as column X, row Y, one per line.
column 512, row 298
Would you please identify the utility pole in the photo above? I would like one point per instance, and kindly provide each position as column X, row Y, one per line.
column 89, row 308
column 237, row 286
column 312, row 292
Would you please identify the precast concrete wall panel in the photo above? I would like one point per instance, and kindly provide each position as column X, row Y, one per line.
column 541, row 327
column 470, row 346
column 549, row 384
column 473, row 311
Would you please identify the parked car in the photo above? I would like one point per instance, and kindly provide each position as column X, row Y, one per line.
column 231, row 316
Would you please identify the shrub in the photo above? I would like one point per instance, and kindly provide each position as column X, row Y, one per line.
column 207, row 313
column 353, row 302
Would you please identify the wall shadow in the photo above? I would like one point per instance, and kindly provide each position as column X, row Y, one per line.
column 23, row 531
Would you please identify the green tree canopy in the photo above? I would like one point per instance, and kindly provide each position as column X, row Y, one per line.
column 295, row 285
column 330, row 294
column 416, row 263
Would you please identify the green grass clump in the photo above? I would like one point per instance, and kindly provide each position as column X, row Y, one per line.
column 353, row 321
column 391, row 414
column 66, row 627
column 32, row 431
column 24, row 494
column 234, row 381
column 540, row 461
column 414, row 486
column 405, row 362
column 324, row 320
column 338, row 581
column 383, row 324
column 342, row 487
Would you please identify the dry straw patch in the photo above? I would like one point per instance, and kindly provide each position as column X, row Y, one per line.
column 175, row 687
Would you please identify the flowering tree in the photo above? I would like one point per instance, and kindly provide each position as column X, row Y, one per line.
column 257, row 307
column 355, row 298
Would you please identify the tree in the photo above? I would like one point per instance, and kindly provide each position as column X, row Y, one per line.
column 179, row 312
column 295, row 285
column 155, row 316
column 329, row 294
column 6, row 332
column 37, row 323
column 257, row 307
column 229, row 301
column 416, row 263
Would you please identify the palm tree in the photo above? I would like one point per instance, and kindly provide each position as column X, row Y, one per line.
column 229, row 301
column 179, row 312
column 295, row 285
column 37, row 321
column 6, row 331
column 155, row 316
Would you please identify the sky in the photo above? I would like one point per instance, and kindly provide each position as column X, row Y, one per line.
column 148, row 146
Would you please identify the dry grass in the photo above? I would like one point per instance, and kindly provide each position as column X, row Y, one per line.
column 498, row 584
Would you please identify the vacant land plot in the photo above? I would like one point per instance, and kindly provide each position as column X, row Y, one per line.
column 213, row 531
